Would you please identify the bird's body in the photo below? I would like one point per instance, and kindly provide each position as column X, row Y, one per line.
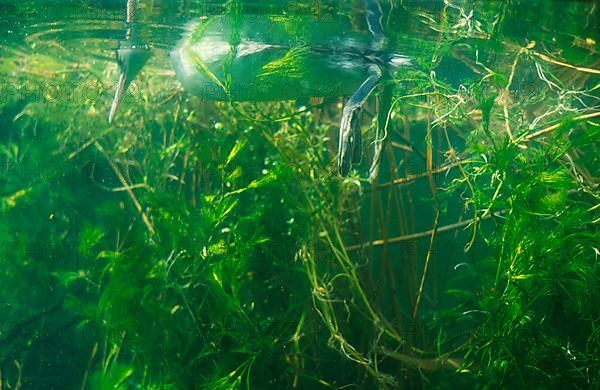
column 260, row 59
column 267, row 57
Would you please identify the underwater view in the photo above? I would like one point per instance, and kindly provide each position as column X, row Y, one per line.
column 317, row 194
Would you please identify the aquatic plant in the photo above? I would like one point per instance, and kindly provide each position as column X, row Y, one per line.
column 212, row 245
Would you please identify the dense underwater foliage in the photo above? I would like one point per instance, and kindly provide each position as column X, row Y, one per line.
column 197, row 244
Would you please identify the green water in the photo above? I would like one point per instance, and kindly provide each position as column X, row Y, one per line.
column 205, row 239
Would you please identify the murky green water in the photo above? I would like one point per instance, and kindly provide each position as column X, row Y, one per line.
column 282, row 194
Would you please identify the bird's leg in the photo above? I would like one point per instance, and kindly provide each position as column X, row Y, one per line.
column 374, row 18
column 356, row 139
column 349, row 127
column 385, row 103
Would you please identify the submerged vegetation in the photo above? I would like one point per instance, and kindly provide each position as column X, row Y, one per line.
column 196, row 244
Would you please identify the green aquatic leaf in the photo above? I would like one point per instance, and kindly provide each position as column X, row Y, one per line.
column 239, row 145
column 291, row 65
column 90, row 238
column 114, row 378
column 204, row 70
column 11, row 201
column 267, row 179
column 66, row 278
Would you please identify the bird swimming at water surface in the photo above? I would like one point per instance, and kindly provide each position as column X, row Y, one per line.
column 224, row 58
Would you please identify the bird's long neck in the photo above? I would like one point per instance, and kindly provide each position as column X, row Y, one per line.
column 130, row 11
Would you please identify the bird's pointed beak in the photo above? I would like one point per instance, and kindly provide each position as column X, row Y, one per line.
column 119, row 93
column 131, row 59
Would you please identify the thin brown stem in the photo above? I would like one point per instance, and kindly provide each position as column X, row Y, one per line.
column 414, row 236
column 127, row 187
